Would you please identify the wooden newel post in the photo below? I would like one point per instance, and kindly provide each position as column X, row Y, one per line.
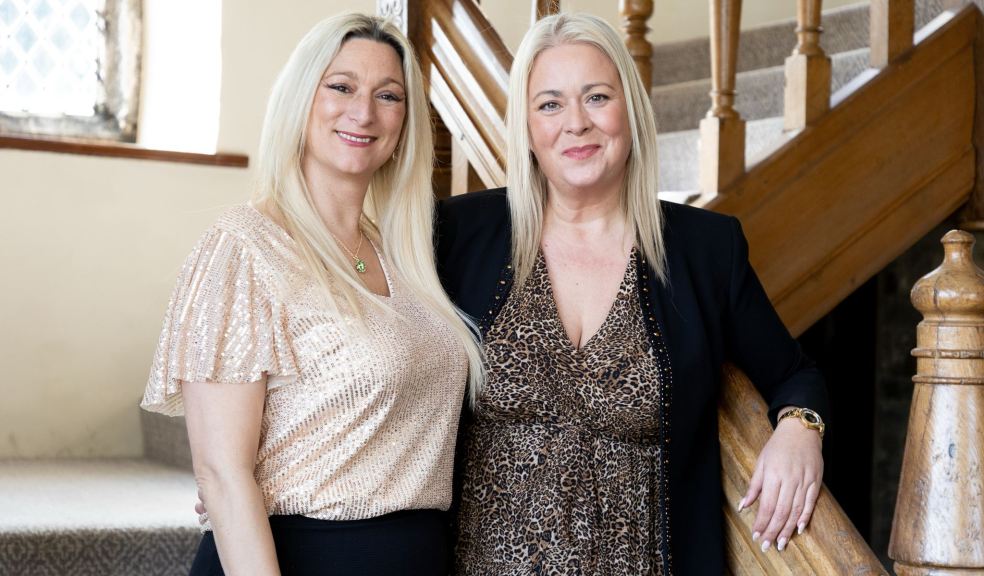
column 807, row 95
column 722, row 131
column 635, row 16
column 939, row 515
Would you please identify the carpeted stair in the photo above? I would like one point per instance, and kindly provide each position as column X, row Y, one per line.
column 89, row 517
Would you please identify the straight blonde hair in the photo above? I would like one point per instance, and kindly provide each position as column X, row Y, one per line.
column 527, row 185
column 400, row 194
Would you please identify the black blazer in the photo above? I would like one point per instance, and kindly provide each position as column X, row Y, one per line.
column 712, row 309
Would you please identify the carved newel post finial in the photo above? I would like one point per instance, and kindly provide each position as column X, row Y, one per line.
column 939, row 515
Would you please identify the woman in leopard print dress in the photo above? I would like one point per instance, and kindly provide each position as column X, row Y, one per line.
column 606, row 318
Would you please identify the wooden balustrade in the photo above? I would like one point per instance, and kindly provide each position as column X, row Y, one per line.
column 635, row 16
column 939, row 516
column 892, row 25
column 807, row 94
column 722, row 132
column 543, row 8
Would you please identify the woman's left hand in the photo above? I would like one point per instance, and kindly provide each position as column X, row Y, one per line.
column 786, row 482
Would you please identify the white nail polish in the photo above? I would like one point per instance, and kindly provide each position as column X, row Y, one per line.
column 800, row 528
column 765, row 545
column 755, row 536
column 781, row 545
column 741, row 505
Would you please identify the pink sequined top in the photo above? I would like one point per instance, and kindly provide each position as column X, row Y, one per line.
column 356, row 423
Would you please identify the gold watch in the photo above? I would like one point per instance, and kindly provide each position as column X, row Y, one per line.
column 807, row 417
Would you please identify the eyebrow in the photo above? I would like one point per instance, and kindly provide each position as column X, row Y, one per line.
column 587, row 88
column 353, row 76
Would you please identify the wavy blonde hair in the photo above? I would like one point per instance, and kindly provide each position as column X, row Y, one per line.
column 527, row 185
column 400, row 194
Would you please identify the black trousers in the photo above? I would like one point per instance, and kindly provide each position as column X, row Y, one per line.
column 405, row 543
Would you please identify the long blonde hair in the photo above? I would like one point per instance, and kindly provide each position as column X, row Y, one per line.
column 400, row 194
column 527, row 185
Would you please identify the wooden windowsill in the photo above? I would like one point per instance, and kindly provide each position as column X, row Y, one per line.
column 121, row 150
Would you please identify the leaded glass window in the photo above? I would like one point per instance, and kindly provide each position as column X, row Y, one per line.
column 70, row 67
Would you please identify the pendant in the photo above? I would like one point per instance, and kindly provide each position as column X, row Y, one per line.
column 360, row 265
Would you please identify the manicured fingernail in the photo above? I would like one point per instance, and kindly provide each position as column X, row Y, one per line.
column 781, row 545
column 741, row 505
column 800, row 528
column 755, row 536
column 765, row 545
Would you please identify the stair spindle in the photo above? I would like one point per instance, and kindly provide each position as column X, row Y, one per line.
column 542, row 8
column 635, row 16
column 939, row 517
column 892, row 25
column 807, row 94
column 722, row 131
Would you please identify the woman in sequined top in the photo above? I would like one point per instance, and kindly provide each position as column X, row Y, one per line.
column 606, row 318
column 318, row 363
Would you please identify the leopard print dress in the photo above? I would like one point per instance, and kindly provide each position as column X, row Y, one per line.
column 561, row 464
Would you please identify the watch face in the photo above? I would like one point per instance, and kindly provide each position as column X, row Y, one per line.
column 811, row 416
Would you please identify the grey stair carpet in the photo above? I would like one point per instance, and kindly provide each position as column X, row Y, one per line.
column 759, row 93
column 844, row 29
column 115, row 517
column 679, row 154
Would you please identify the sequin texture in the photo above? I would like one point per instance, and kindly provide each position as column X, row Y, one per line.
column 356, row 423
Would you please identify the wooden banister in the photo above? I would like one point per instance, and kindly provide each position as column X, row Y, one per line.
column 635, row 16
column 722, row 131
column 830, row 545
column 892, row 25
column 543, row 8
column 939, row 517
column 807, row 94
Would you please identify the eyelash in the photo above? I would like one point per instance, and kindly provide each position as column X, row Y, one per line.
column 344, row 89
column 552, row 106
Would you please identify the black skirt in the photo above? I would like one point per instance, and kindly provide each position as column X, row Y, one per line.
column 405, row 543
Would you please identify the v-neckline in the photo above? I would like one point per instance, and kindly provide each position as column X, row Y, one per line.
column 555, row 311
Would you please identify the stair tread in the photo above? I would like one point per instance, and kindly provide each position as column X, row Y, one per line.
column 95, row 494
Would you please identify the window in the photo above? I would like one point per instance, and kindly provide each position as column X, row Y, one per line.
column 70, row 68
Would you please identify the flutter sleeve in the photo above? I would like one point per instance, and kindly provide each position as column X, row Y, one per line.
column 223, row 324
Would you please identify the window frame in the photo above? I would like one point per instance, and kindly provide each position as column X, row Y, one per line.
column 115, row 118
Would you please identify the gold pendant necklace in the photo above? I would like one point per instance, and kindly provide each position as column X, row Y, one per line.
column 360, row 264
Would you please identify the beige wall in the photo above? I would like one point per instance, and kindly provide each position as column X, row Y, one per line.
column 672, row 19
column 91, row 246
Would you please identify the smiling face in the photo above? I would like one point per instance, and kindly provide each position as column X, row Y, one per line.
column 358, row 111
column 577, row 118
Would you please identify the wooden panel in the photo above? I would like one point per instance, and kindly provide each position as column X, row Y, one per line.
column 845, row 189
column 120, row 150
column 830, row 545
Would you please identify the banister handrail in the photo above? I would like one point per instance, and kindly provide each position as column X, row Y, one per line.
column 830, row 545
